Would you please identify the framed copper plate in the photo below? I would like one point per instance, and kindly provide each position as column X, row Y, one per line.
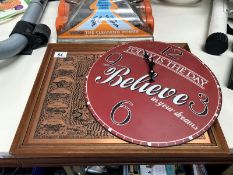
column 174, row 105
column 57, row 128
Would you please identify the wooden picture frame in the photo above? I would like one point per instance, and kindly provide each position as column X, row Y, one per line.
column 58, row 140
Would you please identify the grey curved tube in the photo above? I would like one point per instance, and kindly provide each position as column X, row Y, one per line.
column 17, row 42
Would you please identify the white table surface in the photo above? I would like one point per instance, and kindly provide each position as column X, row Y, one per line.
column 172, row 24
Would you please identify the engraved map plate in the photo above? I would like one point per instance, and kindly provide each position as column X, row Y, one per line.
column 57, row 122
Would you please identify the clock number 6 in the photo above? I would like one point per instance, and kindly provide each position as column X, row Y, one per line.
column 121, row 104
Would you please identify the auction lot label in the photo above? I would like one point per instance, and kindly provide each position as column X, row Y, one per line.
column 180, row 104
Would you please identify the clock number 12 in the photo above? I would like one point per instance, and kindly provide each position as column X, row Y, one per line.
column 172, row 52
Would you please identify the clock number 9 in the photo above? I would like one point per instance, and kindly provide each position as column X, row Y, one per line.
column 113, row 58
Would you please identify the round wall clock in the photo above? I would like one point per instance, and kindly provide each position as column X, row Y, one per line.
column 153, row 94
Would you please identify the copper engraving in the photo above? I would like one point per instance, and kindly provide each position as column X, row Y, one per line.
column 58, row 128
column 64, row 114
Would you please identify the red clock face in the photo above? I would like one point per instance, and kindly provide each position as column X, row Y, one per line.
column 180, row 104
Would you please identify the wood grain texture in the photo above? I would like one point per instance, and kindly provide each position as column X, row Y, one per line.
column 57, row 127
